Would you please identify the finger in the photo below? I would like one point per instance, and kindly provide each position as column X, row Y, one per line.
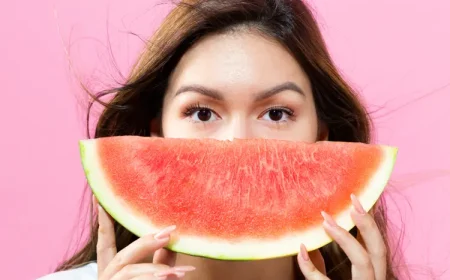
column 175, row 272
column 373, row 240
column 363, row 268
column 164, row 256
column 139, row 250
column 171, row 274
column 318, row 261
column 106, row 242
column 153, row 277
column 307, row 267
column 137, row 270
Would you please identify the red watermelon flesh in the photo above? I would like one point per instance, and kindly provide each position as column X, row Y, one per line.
column 241, row 199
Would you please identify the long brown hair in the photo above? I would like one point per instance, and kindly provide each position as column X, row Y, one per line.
column 291, row 23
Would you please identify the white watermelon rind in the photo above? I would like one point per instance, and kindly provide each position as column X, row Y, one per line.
column 248, row 249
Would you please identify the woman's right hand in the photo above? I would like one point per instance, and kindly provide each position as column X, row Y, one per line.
column 129, row 263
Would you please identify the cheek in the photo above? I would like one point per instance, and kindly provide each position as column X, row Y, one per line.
column 308, row 129
column 174, row 125
column 305, row 128
column 312, row 124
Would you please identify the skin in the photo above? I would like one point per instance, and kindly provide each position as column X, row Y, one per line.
column 239, row 85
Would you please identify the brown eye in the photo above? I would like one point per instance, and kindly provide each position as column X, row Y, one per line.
column 204, row 115
column 276, row 115
column 201, row 114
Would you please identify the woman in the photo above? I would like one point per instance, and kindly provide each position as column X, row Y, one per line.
column 235, row 69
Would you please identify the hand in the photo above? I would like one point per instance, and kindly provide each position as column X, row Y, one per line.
column 129, row 263
column 366, row 265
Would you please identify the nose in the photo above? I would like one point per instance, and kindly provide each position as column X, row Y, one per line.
column 238, row 128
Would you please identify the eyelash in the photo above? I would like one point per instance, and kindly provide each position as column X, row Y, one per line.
column 284, row 109
column 191, row 109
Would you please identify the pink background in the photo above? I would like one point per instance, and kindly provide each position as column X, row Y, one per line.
column 395, row 52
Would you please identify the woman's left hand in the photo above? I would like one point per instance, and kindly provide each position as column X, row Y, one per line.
column 368, row 263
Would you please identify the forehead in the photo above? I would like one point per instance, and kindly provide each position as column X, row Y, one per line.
column 238, row 61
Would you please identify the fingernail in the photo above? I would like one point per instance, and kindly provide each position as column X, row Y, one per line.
column 328, row 219
column 304, row 253
column 184, row 268
column 165, row 274
column 163, row 277
column 357, row 205
column 165, row 233
column 180, row 274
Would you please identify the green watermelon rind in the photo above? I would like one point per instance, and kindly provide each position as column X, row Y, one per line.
column 216, row 248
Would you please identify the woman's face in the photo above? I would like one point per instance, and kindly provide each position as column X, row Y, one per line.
column 239, row 85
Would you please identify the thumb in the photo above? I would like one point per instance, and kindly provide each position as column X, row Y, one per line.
column 164, row 256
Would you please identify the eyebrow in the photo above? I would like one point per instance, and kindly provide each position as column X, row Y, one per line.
column 215, row 94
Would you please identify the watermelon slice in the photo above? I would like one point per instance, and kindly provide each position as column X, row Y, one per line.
column 234, row 200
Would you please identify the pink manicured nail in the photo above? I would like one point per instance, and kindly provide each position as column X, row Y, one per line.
column 357, row 205
column 178, row 271
column 304, row 253
column 184, row 268
column 164, row 274
column 165, row 233
column 328, row 219
column 180, row 274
